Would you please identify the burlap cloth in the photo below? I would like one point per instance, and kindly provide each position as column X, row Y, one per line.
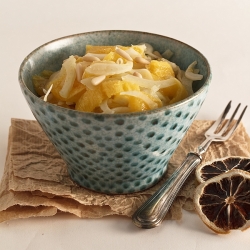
column 35, row 180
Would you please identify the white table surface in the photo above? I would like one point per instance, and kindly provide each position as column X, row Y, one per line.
column 219, row 29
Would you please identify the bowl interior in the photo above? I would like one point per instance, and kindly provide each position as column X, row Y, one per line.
column 51, row 55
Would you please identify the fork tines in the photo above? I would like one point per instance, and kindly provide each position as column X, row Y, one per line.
column 226, row 127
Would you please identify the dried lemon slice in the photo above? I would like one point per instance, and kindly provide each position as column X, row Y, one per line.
column 223, row 202
column 222, row 165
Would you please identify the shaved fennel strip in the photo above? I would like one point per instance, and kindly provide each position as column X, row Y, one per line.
column 79, row 71
column 47, row 93
column 146, row 74
column 190, row 72
column 100, row 56
column 133, row 54
column 70, row 66
column 108, row 68
column 105, row 108
column 88, row 82
column 146, row 83
column 121, row 110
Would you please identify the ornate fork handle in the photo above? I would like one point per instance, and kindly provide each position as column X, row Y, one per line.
column 153, row 211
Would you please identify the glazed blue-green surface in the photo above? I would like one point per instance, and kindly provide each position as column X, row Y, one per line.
column 114, row 153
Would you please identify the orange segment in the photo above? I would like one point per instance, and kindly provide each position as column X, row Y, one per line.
column 99, row 49
column 175, row 93
column 139, row 101
column 113, row 87
column 127, row 86
column 90, row 99
column 136, row 104
column 95, row 49
column 113, row 56
column 76, row 92
column 161, row 70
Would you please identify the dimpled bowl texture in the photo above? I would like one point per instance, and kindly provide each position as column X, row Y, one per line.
column 114, row 153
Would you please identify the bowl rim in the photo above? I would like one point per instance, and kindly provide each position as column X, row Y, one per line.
column 157, row 110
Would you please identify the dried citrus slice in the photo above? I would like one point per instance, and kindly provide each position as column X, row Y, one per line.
column 223, row 202
column 222, row 165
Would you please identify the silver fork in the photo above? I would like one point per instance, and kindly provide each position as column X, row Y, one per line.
column 153, row 211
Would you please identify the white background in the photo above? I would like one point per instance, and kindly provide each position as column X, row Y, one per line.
column 219, row 29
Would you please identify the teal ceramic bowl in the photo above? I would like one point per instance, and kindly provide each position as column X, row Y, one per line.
column 114, row 153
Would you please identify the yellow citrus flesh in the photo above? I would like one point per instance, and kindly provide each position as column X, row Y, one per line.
column 128, row 86
column 99, row 49
column 161, row 70
column 91, row 99
column 138, row 49
column 223, row 202
column 175, row 93
column 102, row 49
column 95, row 49
column 76, row 92
column 113, row 56
column 113, row 87
column 135, row 104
